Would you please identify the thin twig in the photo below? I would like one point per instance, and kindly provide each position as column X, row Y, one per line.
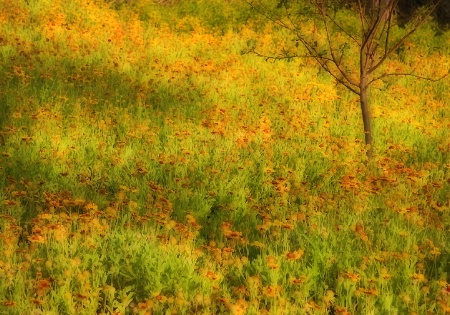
column 279, row 57
column 331, row 49
column 411, row 74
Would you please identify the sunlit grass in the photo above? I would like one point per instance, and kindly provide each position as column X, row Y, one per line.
column 149, row 167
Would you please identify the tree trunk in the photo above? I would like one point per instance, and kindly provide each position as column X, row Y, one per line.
column 364, row 99
column 366, row 117
column 378, row 9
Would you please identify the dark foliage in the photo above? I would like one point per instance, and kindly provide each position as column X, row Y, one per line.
column 406, row 8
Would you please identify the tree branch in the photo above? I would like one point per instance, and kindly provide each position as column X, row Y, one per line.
column 275, row 58
column 362, row 17
column 393, row 48
column 334, row 60
column 411, row 74
column 342, row 29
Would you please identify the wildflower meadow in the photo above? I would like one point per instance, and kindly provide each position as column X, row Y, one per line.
column 150, row 165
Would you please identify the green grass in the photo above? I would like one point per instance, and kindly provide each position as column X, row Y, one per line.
column 147, row 166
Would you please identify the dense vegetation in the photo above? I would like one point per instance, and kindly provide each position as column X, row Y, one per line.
column 148, row 166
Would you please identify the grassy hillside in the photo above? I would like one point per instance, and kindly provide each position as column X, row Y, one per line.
column 148, row 166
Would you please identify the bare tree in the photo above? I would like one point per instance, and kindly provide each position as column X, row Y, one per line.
column 372, row 40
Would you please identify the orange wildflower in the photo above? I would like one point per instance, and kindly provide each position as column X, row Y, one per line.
column 238, row 308
column 10, row 202
column 211, row 275
column 232, row 234
column 9, row 303
column 295, row 255
column 36, row 238
column 312, row 305
column 369, row 291
column 341, row 311
column 81, row 296
column 385, row 274
column 300, row 280
column 272, row 290
column 418, row 277
column 354, row 277
column 272, row 262
column 288, row 226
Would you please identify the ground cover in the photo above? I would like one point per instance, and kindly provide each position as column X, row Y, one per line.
column 149, row 167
